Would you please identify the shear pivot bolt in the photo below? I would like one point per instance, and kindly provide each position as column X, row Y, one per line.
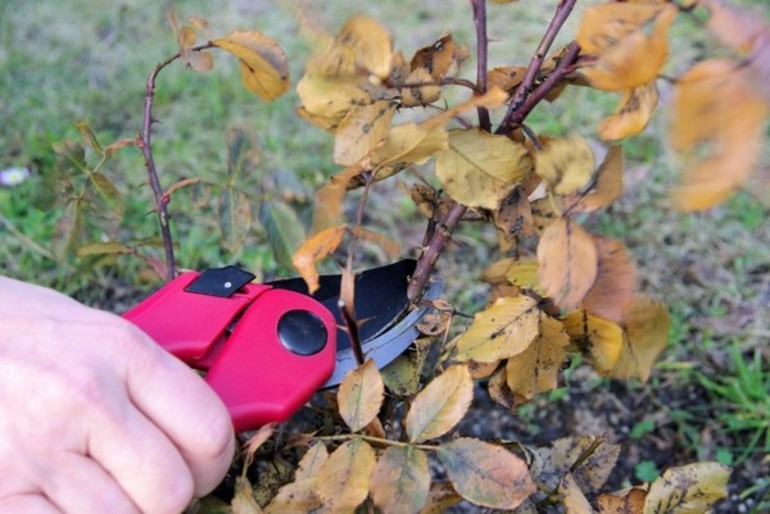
column 302, row 332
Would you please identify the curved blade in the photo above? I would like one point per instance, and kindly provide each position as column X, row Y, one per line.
column 388, row 345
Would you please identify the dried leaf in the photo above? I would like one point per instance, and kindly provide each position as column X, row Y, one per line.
column 514, row 217
column 501, row 393
column 441, row 497
column 636, row 59
column 503, row 330
column 496, row 272
column 436, row 59
column 312, row 461
column 401, row 480
column 313, row 250
column 284, row 229
column 574, row 500
column 440, row 405
column 604, row 26
column 361, row 131
column 343, row 479
column 607, row 188
column 416, row 94
column 593, row 459
column 568, row 262
column 330, row 98
column 717, row 106
column 633, row 114
column 264, row 67
column 646, row 335
column 627, row 501
column 360, row 396
column 329, row 198
column 410, row 144
column 615, row 281
column 390, row 246
column 536, row 369
column 479, row 169
column 68, row 230
column 507, row 78
column 565, row 164
column 109, row 193
column 486, row 474
column 244, row 501
column 689, row 489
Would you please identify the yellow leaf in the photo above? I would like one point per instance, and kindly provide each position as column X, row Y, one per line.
column 565, row 164
column 523, row 273
column 602, row 339
column 330, row 98
column 311, row 462
column 440, row 405
column 636, row 59
column 361, row 131
column 480, row 169
column 496, row 272
column 536, row 369
column 329, row 198
column 486, row 474
column 313, row 250
column 627, row 501
column 360, row 396
column 646, row 323
column 575, row 502
column 264, row 67
column 370, row 43
column 401, row 480
column 410, row 144
column 501, row 331
column 514, row 217
column 342, row 482
column 615, row 281
column 607, row 188
column 689, row 489
column 633, row 115
column 568, row 262
column 716, row 106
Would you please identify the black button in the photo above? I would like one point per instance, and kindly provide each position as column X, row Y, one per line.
column 302, row 332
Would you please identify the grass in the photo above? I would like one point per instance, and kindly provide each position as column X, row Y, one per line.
column 66, row 61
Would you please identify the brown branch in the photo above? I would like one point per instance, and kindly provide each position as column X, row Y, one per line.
column 482, row 47
column 563, row 10
column 161, row 198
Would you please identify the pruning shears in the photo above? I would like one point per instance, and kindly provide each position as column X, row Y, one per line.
column 266, row 348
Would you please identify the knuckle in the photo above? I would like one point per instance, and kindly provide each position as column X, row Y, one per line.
column 175, row 496
column 219, row 443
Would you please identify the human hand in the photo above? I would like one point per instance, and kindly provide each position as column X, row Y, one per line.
column 95, row 417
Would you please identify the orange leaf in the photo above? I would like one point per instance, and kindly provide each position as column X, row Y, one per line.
column 603, row 26
column 486, row 474
column 329, row 198
column 627, row 501
column 615, row 281
column 607, row 188
column 568, row 262
column 636, row 59
column 436, row 58
column 313, row 250
column 440, row 405
column 633, row 115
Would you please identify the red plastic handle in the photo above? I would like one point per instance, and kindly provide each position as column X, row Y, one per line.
column 260, row 375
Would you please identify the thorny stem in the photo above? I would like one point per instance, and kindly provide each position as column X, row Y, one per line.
column 524, row 90
column 378, row 440
column 161, row 199
column 514, row 116
column 347, row 306
column 482, row 45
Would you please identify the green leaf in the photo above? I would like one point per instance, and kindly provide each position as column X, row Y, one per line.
column 109, row 193
column 68, row 230
column 486, row 474
column 285, row 232
column 104, row 248
column 89, row 137
column 235, row 218
column 402, row 376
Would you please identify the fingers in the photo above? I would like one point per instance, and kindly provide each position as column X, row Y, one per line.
column 85, row 487
column 30, row 503
column 195, row 420
column 143, row 460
